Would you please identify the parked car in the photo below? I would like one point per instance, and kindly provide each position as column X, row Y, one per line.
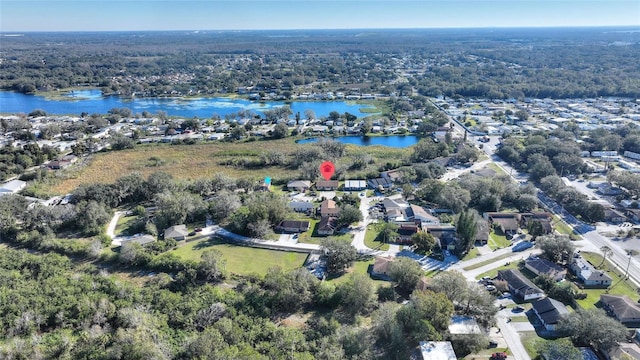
column 490, row 287
column 522, row 246
column 498, row 356
column 518, row 309
column 493, row 344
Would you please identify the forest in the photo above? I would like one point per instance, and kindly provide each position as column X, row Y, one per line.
column 488, row 63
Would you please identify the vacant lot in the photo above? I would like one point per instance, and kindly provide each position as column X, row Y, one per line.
column 204, row 160
column 243, row 260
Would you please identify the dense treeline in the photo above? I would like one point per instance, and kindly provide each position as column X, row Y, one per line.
column 559, row 63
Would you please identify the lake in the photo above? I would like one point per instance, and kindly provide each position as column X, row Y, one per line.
column 92, row 101
column 397, row 141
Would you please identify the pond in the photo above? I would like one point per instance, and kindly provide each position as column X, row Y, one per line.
column 92, row 101
column 397, row 141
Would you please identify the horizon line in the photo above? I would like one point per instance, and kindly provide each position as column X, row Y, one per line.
column 330, row 29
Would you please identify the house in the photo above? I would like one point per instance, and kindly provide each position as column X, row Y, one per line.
column 588, row 274
column 301, row 206
column 624, row 351
column 482, row 232
column 633, row 214
column 329, row 208
column 392, row 175
column 437, row 350
column 446, row 235
column 299, row 185
column 519, row 285
column 614, row 216
column 140, row 239
column 326, row 185
column 463, row 325
column 293, row 226
column 380, row 269
column 12, row 187
column 544, row 218
column 622, row 308
column 176, row 232
column 379, row 183
column 540, row 266
column 418, row 213
column 355, row 185
column 550, row 312
column 406, row 230
column 507, row 222
column 327, row 225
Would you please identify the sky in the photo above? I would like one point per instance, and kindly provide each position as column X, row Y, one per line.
column 131, row 15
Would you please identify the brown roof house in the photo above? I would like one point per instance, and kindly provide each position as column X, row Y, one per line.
column 326, row 185
column 622, row 308
column 544, row 218
column 327, row 225
column 380, row 269
column 482, row 233
column 507, row 222
column 176, row 232
column 519, row 285
column 293, row 226
column 329, row 208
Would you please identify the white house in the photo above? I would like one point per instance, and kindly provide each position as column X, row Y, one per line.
column 12, row 187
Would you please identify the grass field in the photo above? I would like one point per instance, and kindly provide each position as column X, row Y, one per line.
column 562, row 227
column 619, row 287
column 243, row 260
column 203, row 160
column 498, row 241
column 493, row 273
column 487, row 262
column 370, row 239
column 123, row 225
column 471, row 254
column 530, row 341
column 359, row 267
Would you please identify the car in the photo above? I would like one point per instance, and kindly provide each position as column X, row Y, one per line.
column 198, row 229
column 498, row 356
column 490, row 287
column 295, row 236
column 361, row 194
column 493, row 344
column 505, row 295
column 447, row 253
column 522, row 246
column 192, row 233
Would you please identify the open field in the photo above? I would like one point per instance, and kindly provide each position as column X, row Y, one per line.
column 203, row 160
column 497, row 241
column 370, row 239
column 243, row 260
column 359, row 267
column 530, row 342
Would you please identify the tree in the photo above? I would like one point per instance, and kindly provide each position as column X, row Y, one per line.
column 212, row 265
column 91, row 217
column 522, row 115
column 606, row 252
column 357, row 294
column 348, row 215
column 387, row 232
column 555, row 248
column 340, row 255
column 593, row 327
column 425, row 316
column 387, row 329
column 560, row 349
column 237, row 133
column 450, row 283
column 280, row 131
column 423, row 242
column 406, row 273
column 454, row 197
column 224, row 204
column 466, row 228
column 535, row 229
column 366, row 127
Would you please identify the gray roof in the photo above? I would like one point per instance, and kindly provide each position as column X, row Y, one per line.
column 176, row 231
column 13, row 186
column 550, row 310
column 140, row 239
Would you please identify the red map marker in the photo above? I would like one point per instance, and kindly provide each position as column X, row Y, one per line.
column 327, row 169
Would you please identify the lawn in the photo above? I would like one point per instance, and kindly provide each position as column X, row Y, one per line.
column 204, row 160
column 471, row 254
column 619, row 287
column 122, row 227
column 497, row 169
column 493, row 273
column 530, row 341
column 312, row 236
column 498, row 241
column 487, row 262
column 561, row 226
column 243, row 260
column 370, row 239
column 359, row 267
